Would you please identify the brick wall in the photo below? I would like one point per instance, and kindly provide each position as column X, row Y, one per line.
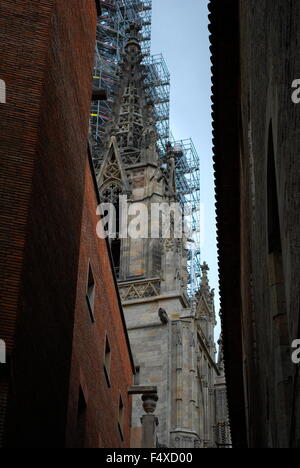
column 24, row 36
column 270, row 289
column 22, row 64
column 46, row 60
column 102, row 400
column 255, row 47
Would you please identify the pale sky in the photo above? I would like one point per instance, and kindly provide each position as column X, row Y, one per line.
column 180, row 33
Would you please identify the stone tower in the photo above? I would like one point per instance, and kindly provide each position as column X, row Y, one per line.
column 172, row 339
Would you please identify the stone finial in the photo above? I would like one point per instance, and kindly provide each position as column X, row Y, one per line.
column 149, row 403
column 168, row 174
column 205, row 291
column 221, row 354
column 133, row 36
column 204, row 268
column 204, row 286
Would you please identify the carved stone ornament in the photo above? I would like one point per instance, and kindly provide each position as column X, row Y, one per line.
column 149, row 403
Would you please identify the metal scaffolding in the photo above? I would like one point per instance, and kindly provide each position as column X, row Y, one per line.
column 158, row 90
column 111, row 39
column 188, row 190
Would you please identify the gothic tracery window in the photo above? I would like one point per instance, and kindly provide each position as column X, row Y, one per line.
column 111, row 193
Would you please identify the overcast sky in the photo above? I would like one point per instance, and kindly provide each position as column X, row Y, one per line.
column 180, row 33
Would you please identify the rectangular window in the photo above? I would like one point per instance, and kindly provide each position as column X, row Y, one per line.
column 90, row 292
column 137, row 375
column 107, row 361
column 121, row 418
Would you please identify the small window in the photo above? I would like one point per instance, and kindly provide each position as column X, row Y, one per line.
column 116, row 255
column 121, row 418
column 274, row 237
column 90, row 292
column 107, row 361
column 137, row 375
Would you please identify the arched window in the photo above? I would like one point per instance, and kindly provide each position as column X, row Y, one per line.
column 110, row 194
column 274, row 238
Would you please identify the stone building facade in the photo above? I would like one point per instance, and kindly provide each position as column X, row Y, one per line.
column 255, row 55
column 172, row 339
column 68, row 365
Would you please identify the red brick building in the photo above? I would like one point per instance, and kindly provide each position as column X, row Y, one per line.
column 101, row 371
column 68, row 359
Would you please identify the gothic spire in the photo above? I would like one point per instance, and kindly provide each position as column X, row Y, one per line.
column 132, row 121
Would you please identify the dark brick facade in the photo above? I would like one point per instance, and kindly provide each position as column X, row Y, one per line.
column 46, row 60
column 255, row 48
column 102, row 394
